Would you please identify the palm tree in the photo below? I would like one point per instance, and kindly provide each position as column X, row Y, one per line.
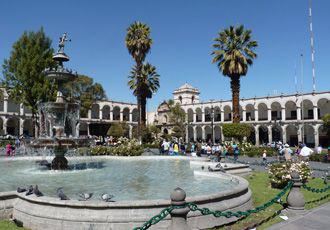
column 144, row 85
column 138, row 44
column 234, row 53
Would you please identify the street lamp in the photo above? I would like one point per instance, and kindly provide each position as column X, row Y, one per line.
column 212, row 120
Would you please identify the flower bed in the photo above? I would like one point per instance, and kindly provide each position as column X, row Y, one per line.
column 124, row 147
column 280, row 174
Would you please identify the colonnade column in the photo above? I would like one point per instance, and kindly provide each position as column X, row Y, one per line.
column 256, row 115
column 244, row 115
column 269, row 114
column 222, row 114
column 77, row 129
column 316, row 135
column 121, row 116
column 283, row 114
column 130, row 134
column 203, row 133
column 203, row 116
column 5, row 126
column 195, row 133
column 284, row 138
column 100, row 114
column 89, row 114
column 298, row 113
column 299, row 132
column 5, row 104
column 221, row 133
column 315, row 113
column 270, row 134
column 187, row 134
column 21, row 126
column 256, row 133
column 194, row 117
column 88, row 131
column 21, row 109
column 130, row 116
column 111, row 114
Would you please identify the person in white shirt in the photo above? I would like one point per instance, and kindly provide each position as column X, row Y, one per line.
column 305, row 152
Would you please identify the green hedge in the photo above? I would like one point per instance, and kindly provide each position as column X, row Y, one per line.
column 322, row 157
column 3, row 143
column 236, row 130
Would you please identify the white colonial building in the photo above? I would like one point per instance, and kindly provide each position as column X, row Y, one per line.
column 16, row 119
column 288, row 118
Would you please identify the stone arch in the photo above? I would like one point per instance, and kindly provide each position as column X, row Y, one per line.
column 135, row 115
column 28, row 128
column 324, row 139
column 190, row 133
column 290, row 110
column 277, row 133
column 83, row 129
column 116, row 113
column 106, row 112
column 13, row 126
column 13, row 107
column 126, row 114
column 276, row 111
column 217, row 113
column 190, row 115
column 207, row 114
column 307, row 109
column 199, row 115
column 199, row 133
column 263, row 134
column 208, row 133
column 227, row 112
column 291, row 135
column 249, row 110
column 323, row 106
column 95, row 111
column 308, row 133
column 262, row 112
column 217, row 134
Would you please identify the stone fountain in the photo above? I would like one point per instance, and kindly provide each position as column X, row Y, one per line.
column 59, row 120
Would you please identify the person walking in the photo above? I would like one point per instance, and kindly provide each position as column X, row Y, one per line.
column 236, row 151
column 8, row 149
column 175, row 149
column 264, row 157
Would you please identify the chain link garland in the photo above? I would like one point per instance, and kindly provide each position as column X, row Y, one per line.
column 316, row 190
column 205, row 211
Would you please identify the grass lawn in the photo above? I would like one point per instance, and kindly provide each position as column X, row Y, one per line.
column 262, row 192
column 8, row 225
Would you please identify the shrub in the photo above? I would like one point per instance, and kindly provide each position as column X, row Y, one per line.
column 236, row 130
column 116, row 130
column 280, row 174
column 322, row 157
column 125, row 147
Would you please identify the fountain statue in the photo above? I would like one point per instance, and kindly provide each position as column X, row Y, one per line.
column 59, row 120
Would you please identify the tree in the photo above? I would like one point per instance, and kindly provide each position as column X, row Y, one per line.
column 23, row 74
column 234, row 53
column 177, row 118
column 116, row 130
column 237, row 131
column 155, row 130
column 138, row 43
column 84, row 90
column 144, row 85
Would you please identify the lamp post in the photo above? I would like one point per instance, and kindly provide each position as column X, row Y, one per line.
column 212, row 120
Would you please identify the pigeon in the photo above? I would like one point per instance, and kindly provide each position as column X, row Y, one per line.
column 37, row 192
column 107, row 197
column 84, row 196
column 20, row 190
column 61, row 194
column 29, row 191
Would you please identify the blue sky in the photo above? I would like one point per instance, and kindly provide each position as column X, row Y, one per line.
column 183, row 33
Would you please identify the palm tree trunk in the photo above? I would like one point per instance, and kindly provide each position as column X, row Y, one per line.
column 235, row 89
column 143, row 111
column 139, row 69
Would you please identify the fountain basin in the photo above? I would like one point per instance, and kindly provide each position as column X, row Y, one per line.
column 51, row 213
